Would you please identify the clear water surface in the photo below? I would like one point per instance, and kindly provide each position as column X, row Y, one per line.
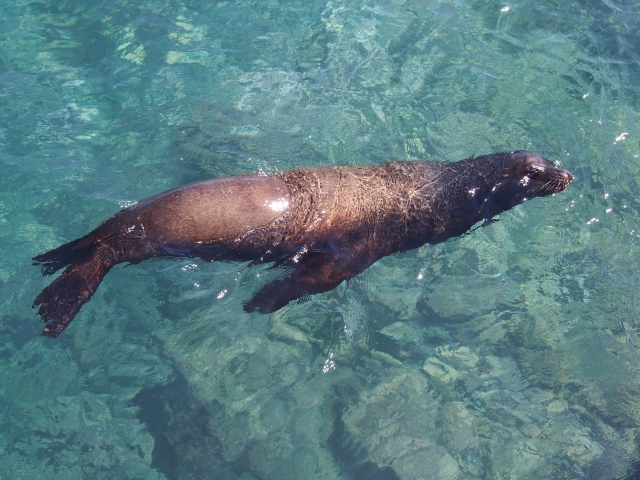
column 510, row 353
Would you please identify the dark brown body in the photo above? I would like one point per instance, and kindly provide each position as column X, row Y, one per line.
column 325, row 225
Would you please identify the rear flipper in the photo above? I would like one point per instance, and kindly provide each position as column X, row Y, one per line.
column 53, row 260
column 316, row 272
column 61, row 301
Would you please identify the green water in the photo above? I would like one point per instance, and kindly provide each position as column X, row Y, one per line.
column 510, row 353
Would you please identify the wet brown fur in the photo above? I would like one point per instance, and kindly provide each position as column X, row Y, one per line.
column 338, row 222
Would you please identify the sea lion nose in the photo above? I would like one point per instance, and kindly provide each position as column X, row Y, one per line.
column 567, row 175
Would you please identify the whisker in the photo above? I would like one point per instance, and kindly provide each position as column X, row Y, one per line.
column 556, row 184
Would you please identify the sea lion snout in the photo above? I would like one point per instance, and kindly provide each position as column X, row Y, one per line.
column 556, row 179
column 566, row 179
column 536, row 174
column 566, row 174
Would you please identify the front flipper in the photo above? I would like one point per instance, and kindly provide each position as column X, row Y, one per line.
column 315, row 272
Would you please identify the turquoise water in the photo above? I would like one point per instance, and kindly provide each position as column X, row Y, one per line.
column 510, row 353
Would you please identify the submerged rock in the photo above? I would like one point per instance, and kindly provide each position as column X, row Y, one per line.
column 395, row 423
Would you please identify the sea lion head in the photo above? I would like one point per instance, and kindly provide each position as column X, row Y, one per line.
column 520, row 176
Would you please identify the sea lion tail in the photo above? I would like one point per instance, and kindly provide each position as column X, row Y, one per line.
column 61, row 301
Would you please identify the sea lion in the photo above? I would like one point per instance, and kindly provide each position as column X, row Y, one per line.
column 324, row 225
